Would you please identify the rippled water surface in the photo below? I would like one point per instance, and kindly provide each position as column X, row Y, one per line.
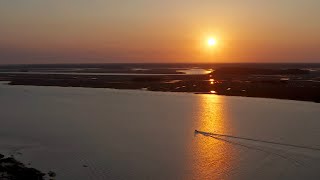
column 83, row 133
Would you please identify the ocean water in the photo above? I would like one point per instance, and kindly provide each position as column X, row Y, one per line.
column 85, row 133
column 189, row 71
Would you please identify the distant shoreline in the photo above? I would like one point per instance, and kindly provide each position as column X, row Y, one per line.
column 209, row 93
column 159, row 88
column 302, row 83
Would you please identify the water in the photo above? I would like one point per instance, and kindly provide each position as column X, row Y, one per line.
column 192, row 71
column 96, row 74
column 84, row 133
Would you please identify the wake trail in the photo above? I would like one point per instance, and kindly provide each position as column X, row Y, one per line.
column 257, row 140
column 259, row 149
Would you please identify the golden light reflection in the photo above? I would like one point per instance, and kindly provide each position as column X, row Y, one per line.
column 211, row 81
column 208, row 71
column 211, row 115
column 213, row 158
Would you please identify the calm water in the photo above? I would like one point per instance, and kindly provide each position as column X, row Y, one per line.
column 120, row 134
column 191, row 71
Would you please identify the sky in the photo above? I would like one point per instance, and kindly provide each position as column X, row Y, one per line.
column 121, row 31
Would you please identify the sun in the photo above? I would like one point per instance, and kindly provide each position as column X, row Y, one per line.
column 212, row 41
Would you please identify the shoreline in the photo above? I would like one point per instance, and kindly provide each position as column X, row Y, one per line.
column 289, row 84
column 11, row 168
column 179, row 92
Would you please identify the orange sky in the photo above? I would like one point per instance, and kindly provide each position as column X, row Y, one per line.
column 97, row 31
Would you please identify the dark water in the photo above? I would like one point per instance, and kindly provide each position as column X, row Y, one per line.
column 83, row 133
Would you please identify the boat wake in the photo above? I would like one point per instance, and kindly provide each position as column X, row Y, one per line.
column 256, row 140
column 222, row 137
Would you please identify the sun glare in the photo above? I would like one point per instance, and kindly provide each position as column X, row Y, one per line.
column 212, row 41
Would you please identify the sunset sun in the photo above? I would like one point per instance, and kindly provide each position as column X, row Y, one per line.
column 212, row 41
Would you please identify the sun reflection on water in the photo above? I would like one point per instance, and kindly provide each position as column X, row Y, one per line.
column 211, row 81
column 211, row 115
column 213, row 158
